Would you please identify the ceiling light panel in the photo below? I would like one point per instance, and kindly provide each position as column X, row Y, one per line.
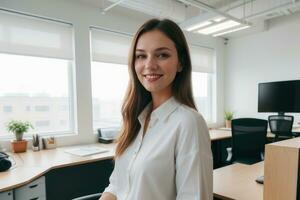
column 218, row 19
column 218, row 27
column 230, row 31
column 199, row 25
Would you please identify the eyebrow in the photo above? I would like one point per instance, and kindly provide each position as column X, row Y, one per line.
column 158, row 49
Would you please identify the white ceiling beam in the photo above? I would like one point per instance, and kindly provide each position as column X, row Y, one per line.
column 211, row 9
column 112, row 5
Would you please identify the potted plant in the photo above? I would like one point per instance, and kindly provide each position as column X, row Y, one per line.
column 19, row 128
column 228, row 117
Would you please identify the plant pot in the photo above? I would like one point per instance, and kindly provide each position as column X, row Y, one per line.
column 19, row 146
column 19, row 135
column 228, row 123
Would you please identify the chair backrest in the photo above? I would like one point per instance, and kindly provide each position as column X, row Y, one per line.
column 281, row 125
column 248, row 138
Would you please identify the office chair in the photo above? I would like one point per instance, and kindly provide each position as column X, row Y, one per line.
column 281, row 126
column 89, row 197
column 248, row 140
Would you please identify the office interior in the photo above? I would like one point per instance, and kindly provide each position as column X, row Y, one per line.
column 266, row 51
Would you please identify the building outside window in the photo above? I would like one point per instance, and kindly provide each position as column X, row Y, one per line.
column 39, row 108
column 7, row 109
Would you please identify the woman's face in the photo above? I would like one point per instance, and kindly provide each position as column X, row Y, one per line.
column 156, row 62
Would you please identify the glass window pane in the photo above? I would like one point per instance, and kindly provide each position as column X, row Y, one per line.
column 35, row 89
column 202, row 93
column 109, row 83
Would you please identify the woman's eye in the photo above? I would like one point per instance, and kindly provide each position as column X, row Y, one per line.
column 140, row 56
column 163, row 55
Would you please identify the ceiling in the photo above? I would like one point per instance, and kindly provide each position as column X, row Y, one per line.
column 186, row 12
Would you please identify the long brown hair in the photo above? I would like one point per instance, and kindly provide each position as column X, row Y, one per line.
column 137, row 97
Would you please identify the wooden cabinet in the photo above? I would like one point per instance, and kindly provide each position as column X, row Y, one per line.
column 281, row 170
column 8, row 195
column 34, row 190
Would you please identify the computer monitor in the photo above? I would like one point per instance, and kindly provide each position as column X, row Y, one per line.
column 280, row 97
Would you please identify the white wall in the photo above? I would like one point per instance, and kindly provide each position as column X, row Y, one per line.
column 83, row 16
column 272, row 55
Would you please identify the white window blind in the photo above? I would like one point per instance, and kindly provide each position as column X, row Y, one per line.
column 202, row 59
column 110, row 47
column 31, row 36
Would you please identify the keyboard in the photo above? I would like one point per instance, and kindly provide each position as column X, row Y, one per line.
column 85, row 150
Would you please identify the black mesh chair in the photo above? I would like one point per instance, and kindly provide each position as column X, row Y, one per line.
column 281, row 126
column 248, row 140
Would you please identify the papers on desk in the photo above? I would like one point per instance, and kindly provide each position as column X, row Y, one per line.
column 85, row 150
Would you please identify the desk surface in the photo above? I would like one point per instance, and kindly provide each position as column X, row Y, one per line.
column 31, row 165
column 237, row 181
column 218, row 134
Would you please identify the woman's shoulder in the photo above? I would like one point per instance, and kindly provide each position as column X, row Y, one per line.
column 187, row 113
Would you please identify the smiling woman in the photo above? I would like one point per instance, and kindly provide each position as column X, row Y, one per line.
column 156, row 64
column 163, row 151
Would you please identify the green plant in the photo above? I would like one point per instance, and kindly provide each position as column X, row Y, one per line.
column 18, row 128
column 228, row 115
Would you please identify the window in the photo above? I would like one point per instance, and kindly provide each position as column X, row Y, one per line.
column 107, row 101
column 109, row 76
column 202, row 84
column 202, row 80
column 7, row 109
column 36, row 72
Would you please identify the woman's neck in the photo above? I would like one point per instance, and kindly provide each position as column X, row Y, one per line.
column 158, row 99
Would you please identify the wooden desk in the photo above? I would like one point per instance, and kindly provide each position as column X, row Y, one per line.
column 237, row 181
column 218, row 134
column 31, row 165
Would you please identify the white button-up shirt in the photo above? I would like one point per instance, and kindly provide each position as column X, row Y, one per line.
column 172, row 161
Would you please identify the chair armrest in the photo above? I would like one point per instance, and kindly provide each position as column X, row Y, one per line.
column 296, row 134
column 229, row 154
column 262, row 156
column 89, row 197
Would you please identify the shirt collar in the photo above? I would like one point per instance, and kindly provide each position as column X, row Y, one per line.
column 162, row 112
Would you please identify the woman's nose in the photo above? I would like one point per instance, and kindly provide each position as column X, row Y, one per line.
column 150, row 62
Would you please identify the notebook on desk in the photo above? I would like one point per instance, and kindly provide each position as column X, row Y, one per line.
column 85, row 150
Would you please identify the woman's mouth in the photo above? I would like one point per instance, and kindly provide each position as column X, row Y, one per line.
column 152, row 77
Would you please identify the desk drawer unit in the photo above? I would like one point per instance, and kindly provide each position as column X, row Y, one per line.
column 8, row 195
column 35, row 190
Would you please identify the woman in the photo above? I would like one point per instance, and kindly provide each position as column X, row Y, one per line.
column 163, row 152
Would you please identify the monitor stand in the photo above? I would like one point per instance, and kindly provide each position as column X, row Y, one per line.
column 280, row 113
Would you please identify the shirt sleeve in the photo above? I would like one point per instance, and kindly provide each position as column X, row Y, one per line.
column 194, row 163
column 112, row 188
